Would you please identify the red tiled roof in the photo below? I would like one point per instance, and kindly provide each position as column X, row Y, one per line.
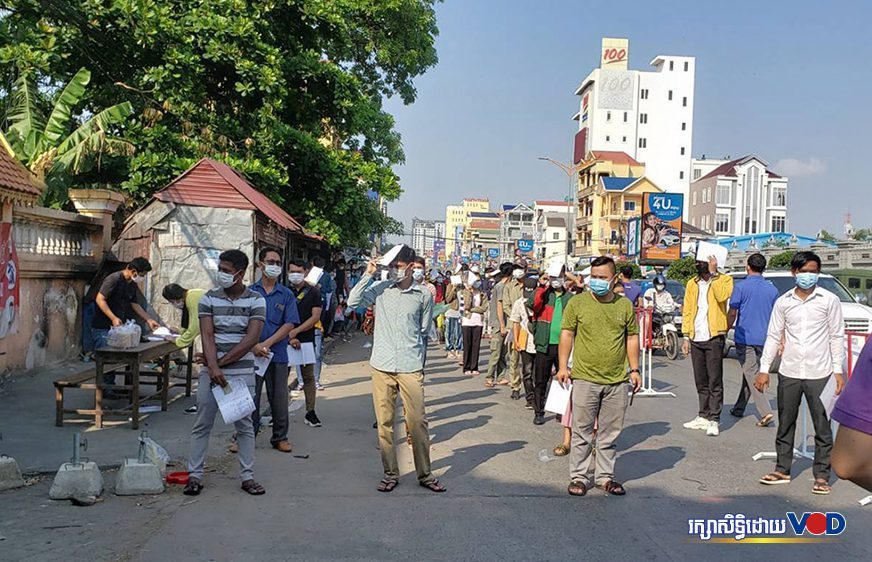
column 17, row 179
column 615, row 156
column 210, row 183
column 484, row 224
column 552, row 203
column 728, row 169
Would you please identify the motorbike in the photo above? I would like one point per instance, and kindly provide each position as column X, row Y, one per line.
column 666, row 329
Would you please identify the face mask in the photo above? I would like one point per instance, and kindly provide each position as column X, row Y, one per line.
column 556, row 283
column 806, row 280
column 178, row 304
column 518, row 273
column 296, row 278
column 418, row 275
column 139, row 279
column 702, row 269
column 226, row 280
column 476, row 284
column 600, row 287
column 660, row 288
column 398, row 275
column 272, row 271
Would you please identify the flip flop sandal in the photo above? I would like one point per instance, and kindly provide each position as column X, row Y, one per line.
column 561, row 451
column 488, row 384
column 434, row 486
column 613, row 488
column 821, row 488
column 387, row 485
column 193, row 487
column 775, row 478
column 253, row 488
column 577, row 489
column 766, row 421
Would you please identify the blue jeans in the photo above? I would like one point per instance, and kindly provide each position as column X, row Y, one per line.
column 319, row 350
column 453, row 335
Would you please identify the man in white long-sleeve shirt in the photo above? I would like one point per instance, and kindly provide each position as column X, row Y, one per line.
column 809, row 321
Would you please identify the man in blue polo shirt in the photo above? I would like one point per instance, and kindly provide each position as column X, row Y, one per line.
column 281, row 317
column 750, row 308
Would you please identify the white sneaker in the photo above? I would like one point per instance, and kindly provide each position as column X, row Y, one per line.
column 697, row 423
column 713, row 429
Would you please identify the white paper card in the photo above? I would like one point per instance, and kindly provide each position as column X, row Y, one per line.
column 828, row 396
column 456, row 280
column 391, row 255
column 303, row 356
column 555, row 268
column 706, row 249
column 234, row 400
column 558, row 398
column 261, row 364
column 314, row 276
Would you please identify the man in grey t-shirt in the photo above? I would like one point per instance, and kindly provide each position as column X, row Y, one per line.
column 496, row 369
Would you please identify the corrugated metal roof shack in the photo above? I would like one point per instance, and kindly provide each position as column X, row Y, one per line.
column 208, row 209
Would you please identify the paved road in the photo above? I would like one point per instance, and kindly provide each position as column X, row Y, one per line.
column 503, row 502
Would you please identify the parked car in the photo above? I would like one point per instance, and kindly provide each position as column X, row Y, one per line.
column 858, row 317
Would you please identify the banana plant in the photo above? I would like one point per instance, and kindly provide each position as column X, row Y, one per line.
column 59, row 147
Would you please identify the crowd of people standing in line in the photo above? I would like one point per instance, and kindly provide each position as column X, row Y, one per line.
column 541, row 327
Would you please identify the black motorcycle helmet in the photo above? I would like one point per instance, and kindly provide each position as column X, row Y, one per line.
column 659, row 282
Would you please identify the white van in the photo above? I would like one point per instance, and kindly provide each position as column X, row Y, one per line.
column 858, row 317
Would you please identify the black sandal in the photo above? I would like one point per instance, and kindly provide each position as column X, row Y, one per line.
column 193, row 487
column 577, row 488
column 387, row 485
column 434, row 486
column 613, row 488
column 253, row 488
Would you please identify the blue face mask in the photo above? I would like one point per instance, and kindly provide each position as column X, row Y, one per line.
column 806, row 280
column 600, row 287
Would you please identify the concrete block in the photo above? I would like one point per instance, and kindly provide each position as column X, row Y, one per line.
column 138, row 478
column 76, row 480
column 10, row 474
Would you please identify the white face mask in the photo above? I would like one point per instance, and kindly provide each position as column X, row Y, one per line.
column 226, row 280
column 418, row 275
column 140, row 279
column 272, row 271
column 178, row 304
column 398, row 275
column 518, row 273
column 296, row 278
column 556, row 283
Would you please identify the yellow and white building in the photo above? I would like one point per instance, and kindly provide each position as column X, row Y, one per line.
column 457, row 219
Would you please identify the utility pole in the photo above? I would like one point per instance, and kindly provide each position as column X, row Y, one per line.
column 570, row 170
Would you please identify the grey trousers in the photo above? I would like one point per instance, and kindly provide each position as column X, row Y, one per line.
column 276, row 381
column 790, row 393
column 592, row 401
column 496, row 367
column 207, row 408
column 749, row 359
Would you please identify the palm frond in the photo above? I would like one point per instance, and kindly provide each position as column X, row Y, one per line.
column 58, row 122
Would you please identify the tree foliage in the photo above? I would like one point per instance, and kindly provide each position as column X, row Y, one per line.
column 683, row 269
column 289, row 92
column 862, row 234
column 781, row 260
column 826, row 236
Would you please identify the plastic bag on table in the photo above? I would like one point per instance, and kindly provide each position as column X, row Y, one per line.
column 124, row 336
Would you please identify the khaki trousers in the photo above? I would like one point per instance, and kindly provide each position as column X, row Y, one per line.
column 513, row 359
column 410, row 386
column 604, row 405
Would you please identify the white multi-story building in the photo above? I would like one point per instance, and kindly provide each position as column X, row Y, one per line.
column 425, row 233
column 646, row 114
column 517, row 222
column 738, row 197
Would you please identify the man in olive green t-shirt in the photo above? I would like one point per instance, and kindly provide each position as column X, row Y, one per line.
column 602, row 326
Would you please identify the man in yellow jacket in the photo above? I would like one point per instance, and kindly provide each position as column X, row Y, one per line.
column 704, row 323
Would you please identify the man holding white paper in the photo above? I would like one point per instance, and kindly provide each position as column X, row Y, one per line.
column 599, row 328
column 231, row 321
column 309, row 310
column 281, row 316
column 404, row 313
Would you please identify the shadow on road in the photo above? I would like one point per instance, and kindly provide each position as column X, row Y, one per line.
column 449, row 430
column 458, row 410
column 633, row 435
column 465, row 459
column 635, row 465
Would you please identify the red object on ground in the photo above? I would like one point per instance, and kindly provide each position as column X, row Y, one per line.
column 177, row 478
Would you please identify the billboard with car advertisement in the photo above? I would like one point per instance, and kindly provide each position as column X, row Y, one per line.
column 661, row 227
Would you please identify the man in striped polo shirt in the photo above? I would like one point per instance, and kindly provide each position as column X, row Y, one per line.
column 231, row 321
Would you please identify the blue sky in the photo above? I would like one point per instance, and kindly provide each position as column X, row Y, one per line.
column 786, row 80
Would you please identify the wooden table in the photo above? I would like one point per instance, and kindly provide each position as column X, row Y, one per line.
column 132, row 358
